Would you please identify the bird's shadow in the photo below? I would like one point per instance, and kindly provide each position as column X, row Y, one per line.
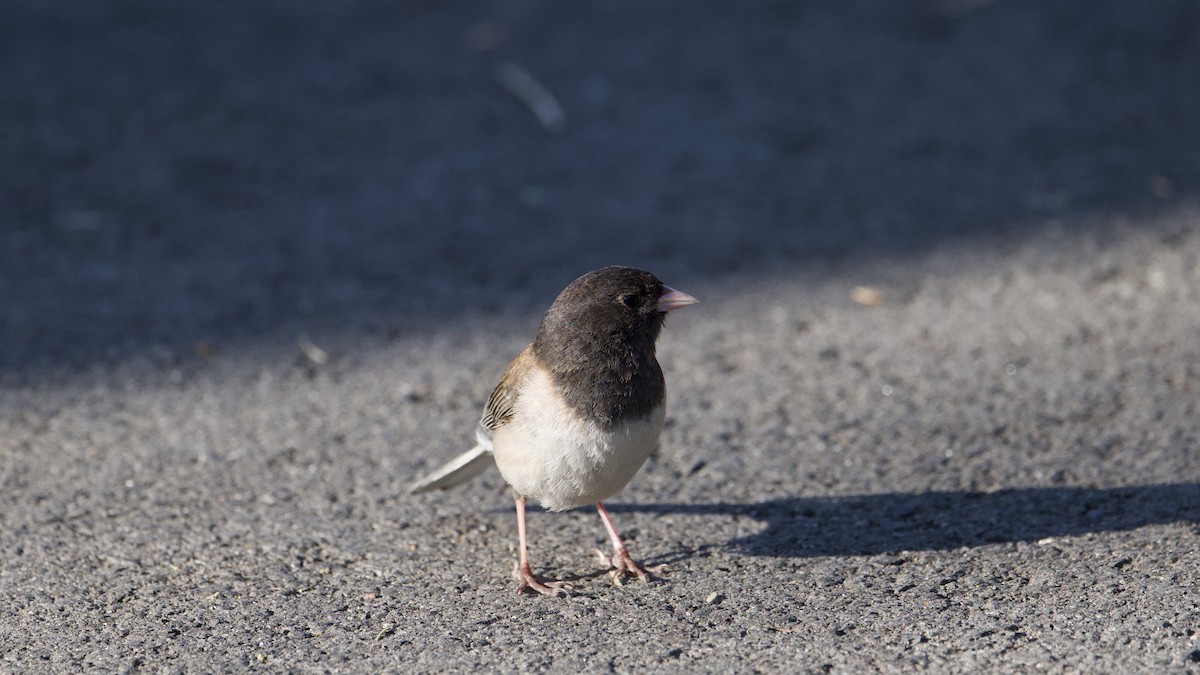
column 892, row 522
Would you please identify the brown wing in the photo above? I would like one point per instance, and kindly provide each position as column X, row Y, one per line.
column 500, row 404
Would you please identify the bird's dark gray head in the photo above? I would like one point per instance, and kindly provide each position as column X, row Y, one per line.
column 598, row 339
column 614, row 304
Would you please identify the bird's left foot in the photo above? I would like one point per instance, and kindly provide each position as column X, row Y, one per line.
column 622, row 564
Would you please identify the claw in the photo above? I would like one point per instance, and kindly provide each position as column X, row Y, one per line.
column 526, row 580
column 623, row 564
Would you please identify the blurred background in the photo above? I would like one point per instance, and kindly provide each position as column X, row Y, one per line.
column 187, row 177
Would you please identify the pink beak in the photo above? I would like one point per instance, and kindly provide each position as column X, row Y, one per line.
column 673, row 299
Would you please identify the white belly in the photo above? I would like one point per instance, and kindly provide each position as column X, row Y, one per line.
column 560, row 461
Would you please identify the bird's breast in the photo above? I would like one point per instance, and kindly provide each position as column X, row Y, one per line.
column 548, row 452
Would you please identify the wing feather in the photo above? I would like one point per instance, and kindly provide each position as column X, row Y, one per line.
column 503, row 400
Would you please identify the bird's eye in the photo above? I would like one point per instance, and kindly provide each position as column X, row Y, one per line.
column 629, row 300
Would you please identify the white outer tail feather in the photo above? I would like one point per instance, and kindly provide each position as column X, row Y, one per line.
column 460, row 470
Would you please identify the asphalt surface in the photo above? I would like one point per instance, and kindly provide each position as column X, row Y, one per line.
column 260, row 265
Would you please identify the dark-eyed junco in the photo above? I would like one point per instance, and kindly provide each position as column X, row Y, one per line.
column 580, row 409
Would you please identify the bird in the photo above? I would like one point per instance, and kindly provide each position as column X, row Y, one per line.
column 578, row 411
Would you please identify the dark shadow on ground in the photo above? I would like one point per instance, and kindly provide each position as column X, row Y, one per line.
column 176, row 172
column 889, row 523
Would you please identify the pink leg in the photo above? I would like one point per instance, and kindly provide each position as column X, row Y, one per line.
column 524, row 575
column 621, row 560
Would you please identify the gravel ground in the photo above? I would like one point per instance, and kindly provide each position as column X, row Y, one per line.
column 937, row 410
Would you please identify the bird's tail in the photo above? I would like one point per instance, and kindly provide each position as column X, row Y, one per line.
column 462, row 469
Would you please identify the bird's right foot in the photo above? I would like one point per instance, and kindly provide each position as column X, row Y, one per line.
column 527, row 581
